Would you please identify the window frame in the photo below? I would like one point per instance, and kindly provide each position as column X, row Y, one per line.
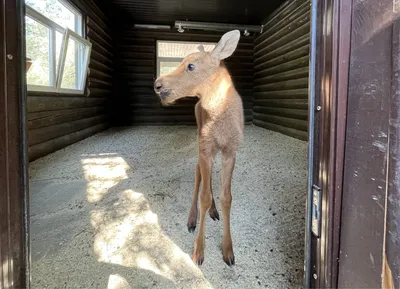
column 56, row 72
column 68, row 34
column 175, row 59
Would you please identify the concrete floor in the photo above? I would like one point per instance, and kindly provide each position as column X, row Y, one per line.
column 111, row 211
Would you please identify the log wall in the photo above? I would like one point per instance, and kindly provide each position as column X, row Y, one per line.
column 281, row 60
column 55, row 121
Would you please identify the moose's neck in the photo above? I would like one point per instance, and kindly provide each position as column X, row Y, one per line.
column 215, row 93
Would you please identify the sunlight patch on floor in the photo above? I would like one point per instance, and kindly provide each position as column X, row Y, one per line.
column 129, row 235
column 127, row 232
column 102, row 174
column 116, row 281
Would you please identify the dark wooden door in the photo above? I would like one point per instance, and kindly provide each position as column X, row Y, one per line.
column 329, row 63
column 14, row 246
column 370, row 223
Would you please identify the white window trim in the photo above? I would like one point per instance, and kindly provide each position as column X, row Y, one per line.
column 175, row 59
column 56, row 73
column 68, row 34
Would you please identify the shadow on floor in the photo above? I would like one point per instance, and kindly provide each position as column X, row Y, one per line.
column 111, row 210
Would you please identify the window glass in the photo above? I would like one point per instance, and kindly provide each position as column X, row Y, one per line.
column 168, row 66
column 180, row 49
column 38, row 49
column 171, row 53
column 58, row 12
column 57, row 64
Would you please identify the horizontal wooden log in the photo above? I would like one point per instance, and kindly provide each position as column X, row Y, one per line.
column 170, row 111
column 46, row 118
column 53, row 145
column 293, row 19
column 140, row 83
column 96, row 36
column 94, row 83
column 244, row 86
column 39, row 135
column 158, row 106
column 297, row 124
column 100, row 27
column 101, row 66
column 130, row 41
column 302, row 135
column 243, row 52
column 300, row 93
column 291, row 55
column 99, row 92
column 44, row 103
column 286, row 75
column 139, row 63
column 137, row 55
column 283, row 103
column 137, row 47
column 290, row 65
column 95, row 55
column 130, row 69
column 100, row 75
column 101, row 50
column 294, row 44
column 239, row 72
column 138, row 76
column 282, row 40
column 242, row 78
column 283, row 85
column 282, row 12
column 232, row 66
column 239, row 60
column 284, row 112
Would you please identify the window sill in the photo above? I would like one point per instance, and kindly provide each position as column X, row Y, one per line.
column 53, row 91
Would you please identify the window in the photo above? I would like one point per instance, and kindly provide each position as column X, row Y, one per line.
column 54, row 43
column 171, row 53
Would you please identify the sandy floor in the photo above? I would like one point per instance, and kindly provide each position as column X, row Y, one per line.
column 111, row 211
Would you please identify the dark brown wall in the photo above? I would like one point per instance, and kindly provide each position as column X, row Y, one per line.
column 55, row 121
column 281, row 70
column 370, row 224
column 137, row 69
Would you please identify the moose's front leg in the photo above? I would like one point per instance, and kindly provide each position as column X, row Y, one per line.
column 206, row 162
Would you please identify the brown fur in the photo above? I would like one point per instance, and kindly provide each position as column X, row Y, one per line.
column 220, row 122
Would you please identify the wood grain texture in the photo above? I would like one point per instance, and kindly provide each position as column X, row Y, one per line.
column 281, row 60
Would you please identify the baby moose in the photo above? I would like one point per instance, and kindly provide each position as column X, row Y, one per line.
column 220, row 123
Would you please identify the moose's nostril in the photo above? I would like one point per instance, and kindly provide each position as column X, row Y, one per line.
column 157, row 86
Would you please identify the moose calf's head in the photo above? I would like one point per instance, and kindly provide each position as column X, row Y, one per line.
column 195, row 71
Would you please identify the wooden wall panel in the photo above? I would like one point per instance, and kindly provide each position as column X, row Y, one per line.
column 281, row 59
column 137, row 70
column 58, row 120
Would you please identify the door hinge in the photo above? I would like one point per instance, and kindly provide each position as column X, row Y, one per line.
column 316, row 211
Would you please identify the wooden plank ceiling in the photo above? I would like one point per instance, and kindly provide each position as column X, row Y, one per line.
column 222, row 11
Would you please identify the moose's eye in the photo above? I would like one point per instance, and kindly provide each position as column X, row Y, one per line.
column 190, row 67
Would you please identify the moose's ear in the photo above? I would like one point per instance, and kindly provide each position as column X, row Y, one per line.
column 201, row 48
column 227, row 45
